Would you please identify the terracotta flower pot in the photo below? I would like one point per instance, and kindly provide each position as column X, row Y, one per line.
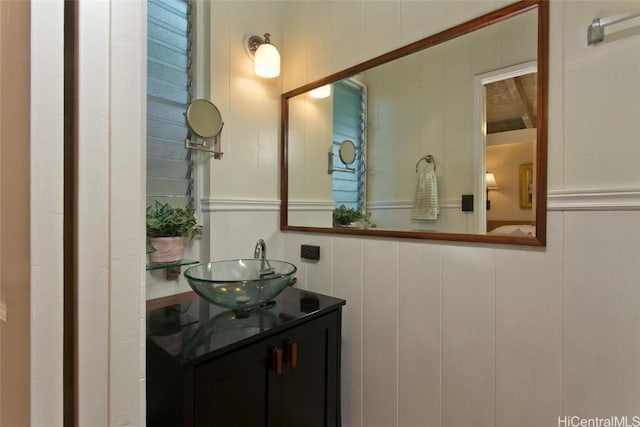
column 168, row 249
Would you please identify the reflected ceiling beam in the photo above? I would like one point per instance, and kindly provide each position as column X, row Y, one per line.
column 512, row 137
column 519, row 96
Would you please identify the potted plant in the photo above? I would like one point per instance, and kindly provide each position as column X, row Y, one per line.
column 351, row 218
column 167, row 228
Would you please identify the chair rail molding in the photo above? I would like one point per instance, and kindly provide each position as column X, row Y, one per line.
column 236, row 205
column 594, row 199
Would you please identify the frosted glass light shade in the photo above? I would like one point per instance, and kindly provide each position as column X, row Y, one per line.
column 321, row 92
column 267, row 61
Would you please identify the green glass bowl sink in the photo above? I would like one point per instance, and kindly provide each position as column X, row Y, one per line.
column 240, row 284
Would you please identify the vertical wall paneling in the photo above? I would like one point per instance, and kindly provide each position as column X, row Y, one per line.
column 468, row 310
column 419, row 335
column 319, row 273
column 380, row 333
column 110, row 211
column 92, row 214
column 528, row 315
column 127, row 111
column 47, row 206
column 607, row 72
column 348, row 284
column 601, row 321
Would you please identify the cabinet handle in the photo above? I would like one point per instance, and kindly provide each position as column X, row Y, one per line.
column 276, row 354
column 292, row 353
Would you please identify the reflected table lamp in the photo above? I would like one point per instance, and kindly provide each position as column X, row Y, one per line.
column 490, row 184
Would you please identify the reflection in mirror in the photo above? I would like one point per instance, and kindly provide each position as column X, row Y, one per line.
column 347, row 152
column 205, row 123
column 509, row 110
column 431, row 97
column 347, row 155
column 526, row 186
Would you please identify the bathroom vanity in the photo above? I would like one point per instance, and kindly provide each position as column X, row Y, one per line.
column 278, row 365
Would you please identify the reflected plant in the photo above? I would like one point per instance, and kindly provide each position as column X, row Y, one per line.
column 346, row 217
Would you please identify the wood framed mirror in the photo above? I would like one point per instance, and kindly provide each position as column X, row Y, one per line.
column 444, row 97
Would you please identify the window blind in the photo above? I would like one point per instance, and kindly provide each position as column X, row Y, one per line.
column 348, row 123
column 169, row 165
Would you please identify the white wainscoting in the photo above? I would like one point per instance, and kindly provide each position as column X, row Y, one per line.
column 438, row 333
column 397, row 215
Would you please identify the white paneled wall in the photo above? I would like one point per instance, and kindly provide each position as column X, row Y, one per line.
column 453, row 335
column 250, row 105
column 601, row 315
column 466, row 335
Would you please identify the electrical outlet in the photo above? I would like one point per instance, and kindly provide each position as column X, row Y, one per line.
column 310, row 252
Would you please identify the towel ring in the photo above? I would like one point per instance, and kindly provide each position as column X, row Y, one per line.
column 429, row 159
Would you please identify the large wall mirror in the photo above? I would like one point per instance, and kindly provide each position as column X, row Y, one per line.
column 450, row 138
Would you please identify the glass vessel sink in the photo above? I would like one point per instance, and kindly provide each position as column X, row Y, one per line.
column 240, row 284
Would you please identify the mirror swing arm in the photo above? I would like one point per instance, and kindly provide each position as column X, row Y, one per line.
column 540, row 156
column 331, row 169
column 198, row 143
column 347, row 154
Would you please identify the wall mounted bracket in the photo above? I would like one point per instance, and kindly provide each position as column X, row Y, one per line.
column 209, row 145
column 331, row 169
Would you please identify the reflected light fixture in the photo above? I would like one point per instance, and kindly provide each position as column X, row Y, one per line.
column 265, row 55
column 490, row 184
column 321, row 92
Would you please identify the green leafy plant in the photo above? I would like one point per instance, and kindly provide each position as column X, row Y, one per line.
column 164, row 220
column 343, row 217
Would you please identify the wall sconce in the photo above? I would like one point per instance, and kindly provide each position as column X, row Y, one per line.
column 490, row 184
column 321, row 92
column 265, row 55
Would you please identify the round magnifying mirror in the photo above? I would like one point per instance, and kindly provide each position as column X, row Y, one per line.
column 204, row 118
column 347, row 152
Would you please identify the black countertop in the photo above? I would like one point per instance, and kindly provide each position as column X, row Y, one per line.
column 196, row 331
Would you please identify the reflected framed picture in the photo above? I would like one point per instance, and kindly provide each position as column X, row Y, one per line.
column 526, row 186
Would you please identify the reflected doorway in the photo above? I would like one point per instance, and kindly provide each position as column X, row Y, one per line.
column 508, row 130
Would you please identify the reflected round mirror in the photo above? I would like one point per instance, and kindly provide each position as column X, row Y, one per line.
column 347, row 152
column 204, row 118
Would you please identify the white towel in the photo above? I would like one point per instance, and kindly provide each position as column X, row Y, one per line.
column 425, row 200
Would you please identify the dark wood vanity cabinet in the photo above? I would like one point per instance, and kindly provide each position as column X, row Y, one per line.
column 279, row 367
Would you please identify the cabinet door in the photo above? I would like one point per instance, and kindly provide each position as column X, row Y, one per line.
column 240, row 389
column 243, row 389
column 310, row 389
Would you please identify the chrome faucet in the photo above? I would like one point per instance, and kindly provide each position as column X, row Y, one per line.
column 260, row 252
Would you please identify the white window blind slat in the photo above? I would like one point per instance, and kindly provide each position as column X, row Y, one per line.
column 167, row 131
column 162, row 186
column 169, row 166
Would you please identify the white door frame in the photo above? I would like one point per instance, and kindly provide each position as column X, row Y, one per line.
column 47, row 199
column 480, row 132
column 111, row 171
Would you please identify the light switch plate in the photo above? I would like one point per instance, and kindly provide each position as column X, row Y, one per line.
column 310, row 252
